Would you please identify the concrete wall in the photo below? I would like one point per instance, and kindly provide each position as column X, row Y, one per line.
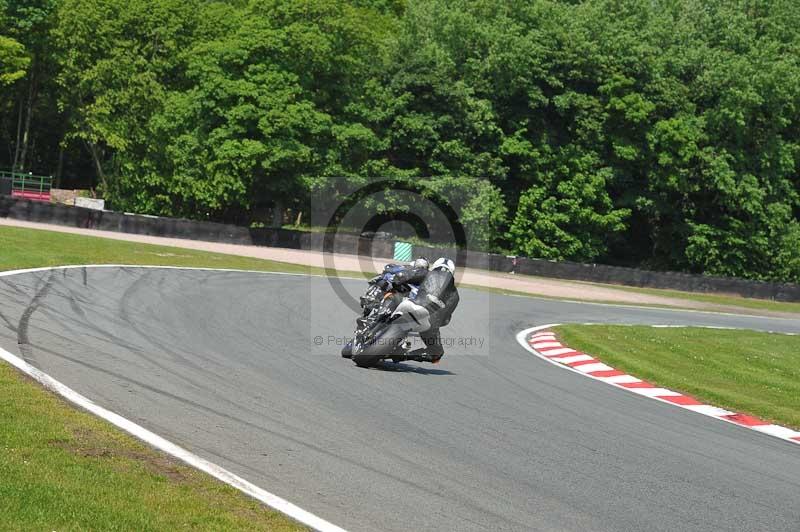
column 63, row 195
column 378, row 247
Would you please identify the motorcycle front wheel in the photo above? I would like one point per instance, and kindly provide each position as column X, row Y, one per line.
column 383, row 346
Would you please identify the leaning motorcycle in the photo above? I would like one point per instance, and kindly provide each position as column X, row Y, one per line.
column 381, row 334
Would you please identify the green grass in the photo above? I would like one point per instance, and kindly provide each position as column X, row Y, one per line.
column 751, row 372
column 715, row 299
column 716, row 303
column 719, row 301
column 63, row 469
column 33, row 248
column 713, row 307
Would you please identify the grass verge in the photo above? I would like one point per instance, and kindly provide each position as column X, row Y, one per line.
column 22, row 248
column 714, row 299
column 745, row 371
column 64, row 469
column 31, row 248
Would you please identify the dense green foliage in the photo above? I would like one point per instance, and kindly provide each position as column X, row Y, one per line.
column 664, row 134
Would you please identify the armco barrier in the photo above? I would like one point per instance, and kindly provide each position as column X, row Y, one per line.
column 112, row 221
column 687, row 282
column 67, row 215
column 354, row 244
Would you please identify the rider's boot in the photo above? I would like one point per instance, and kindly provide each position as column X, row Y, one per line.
column 432, row 354
column 435, row 353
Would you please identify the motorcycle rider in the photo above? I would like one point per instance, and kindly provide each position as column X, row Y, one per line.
column 412, row 274
column 431, row 309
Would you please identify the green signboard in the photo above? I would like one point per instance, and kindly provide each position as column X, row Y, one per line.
column 402, row 251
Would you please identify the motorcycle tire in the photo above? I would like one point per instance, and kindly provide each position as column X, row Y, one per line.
column 384, row 346
column 347, row 350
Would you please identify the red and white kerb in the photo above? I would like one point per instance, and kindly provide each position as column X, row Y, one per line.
column 545, row 344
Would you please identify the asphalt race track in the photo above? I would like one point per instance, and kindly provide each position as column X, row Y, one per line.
column 226, row 364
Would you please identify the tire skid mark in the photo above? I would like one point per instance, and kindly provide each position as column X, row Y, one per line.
column 23, row 338
column 128, row 317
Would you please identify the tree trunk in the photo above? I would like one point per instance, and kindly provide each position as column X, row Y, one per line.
column 28, row 115
column 60, row 168
column 98, row 164
column 19, row 135
column 277, row 214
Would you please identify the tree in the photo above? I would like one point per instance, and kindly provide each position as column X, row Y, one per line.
column 13, row 61
column 116, row 60
column 28, row 22
column 654, row 134
column 571, row 218
column 268, row 109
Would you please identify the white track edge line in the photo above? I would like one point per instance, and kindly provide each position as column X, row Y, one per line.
column 153, row 439
column 715, row 327
column 170, row 448
column 522, row 340
column 545, row 298
column 532, row 296
column 222, row 474
column 157, row 267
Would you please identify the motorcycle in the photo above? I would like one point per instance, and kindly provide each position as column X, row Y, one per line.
column 381, row 333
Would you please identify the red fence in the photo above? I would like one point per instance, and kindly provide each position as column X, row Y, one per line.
column 39, row 196
column 28, row 186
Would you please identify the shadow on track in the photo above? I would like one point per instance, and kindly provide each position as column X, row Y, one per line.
column 404, row 368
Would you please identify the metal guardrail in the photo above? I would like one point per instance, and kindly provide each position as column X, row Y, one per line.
column 28, row 186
